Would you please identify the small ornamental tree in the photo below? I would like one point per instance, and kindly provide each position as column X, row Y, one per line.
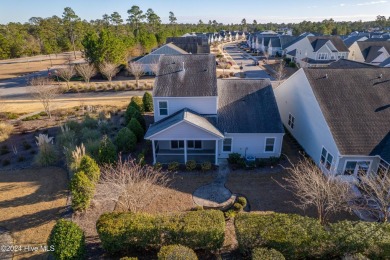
column 136, row 128
column 90, row 168
column 132, row 112
column 136, row 102
column 107, row 151
column 147, row 100
column 82, row 190
column 68, row 241
column 125, row 140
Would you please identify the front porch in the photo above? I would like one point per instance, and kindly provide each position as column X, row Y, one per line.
column 166, row 151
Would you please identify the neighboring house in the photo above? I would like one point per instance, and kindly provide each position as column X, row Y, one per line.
column 198, row 118
column 276, row 45
column 385, row 63
column 148, row 61
column 352, row 39
column 340, row 117
column 370, row 51
column 191, row 44
column 316, row 51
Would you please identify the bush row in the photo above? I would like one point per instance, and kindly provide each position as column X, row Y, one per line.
column 195, row 229
column 236, row 161
column 300, row 237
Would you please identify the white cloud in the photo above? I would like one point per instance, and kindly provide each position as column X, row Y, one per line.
column 372, row 3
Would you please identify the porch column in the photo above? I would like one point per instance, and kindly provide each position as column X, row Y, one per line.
column 154, row 152
column 216, row 152
column 185, row 151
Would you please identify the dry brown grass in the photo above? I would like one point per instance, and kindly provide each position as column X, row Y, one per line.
column 13, row 69
column 5, row 131
column 31, row 200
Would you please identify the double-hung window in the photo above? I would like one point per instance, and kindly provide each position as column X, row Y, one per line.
column 194, row 144
column 177, row 144
column 322, row 56
column 326, row 158
column 291, row 121
column 269, row 145
column 163, row 108
column 227, row 145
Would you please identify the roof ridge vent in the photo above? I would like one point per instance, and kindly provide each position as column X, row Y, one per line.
column 380, row 76
column 326, row 75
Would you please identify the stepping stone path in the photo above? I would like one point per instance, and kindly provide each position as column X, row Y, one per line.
column 5, row 242
column 215, row 195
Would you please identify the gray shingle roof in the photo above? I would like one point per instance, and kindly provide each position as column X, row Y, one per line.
column 349, row 64
column 385, row 63
column 191, row 44
column 318, row 41
column 186, row 115
column 351, row 40
column 356, row 106
column 196, row 80
column 247, row 106
column 154, row 56
column 370, row 48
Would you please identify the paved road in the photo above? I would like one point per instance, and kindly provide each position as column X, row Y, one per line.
column 246, row 60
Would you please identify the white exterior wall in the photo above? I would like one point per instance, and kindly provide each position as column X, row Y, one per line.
column 254, row 144
column 295, row 96
column 355, row 53
column 201, row 105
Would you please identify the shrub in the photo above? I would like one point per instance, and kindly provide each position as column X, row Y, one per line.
column 230, row 214
column 88, row 134
column 132, row 112
column 191, row 165
column 261, row 253
column 203, row 229
column 176, row 252
column 293, row 235
column 136, row 128
column 4, row 149
column 90, row 168
column 68, row 240
column 107, row 151
column 173, row 166
column 11, row 115
column 32, row 118
column 47, row 155
column 74, row 126
column 234, row 158
column 206, row 166
column 90, row 122
column 125, row 140
column 5, row 131
column 292, row 64
column 357, row 256
column 92, row 148
column 157, row 166
column 66, row 138
column 136, row 102
column 237, row 207
column 104, row 127
column 242, row 201
column 147, row 101
column 141, row 159
column 82, row 190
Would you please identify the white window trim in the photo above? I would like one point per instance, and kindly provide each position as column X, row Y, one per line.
column 265, row 145
column 201, row 144
column 326, row 159
column 292, row 120
column 357, row 160
column 324, row 54
column 170, row 144
column 164, row 108
column 231, row 145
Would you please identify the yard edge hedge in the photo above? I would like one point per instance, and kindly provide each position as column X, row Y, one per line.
column 196, row 229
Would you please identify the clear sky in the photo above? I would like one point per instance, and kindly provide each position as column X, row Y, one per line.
column 227, row 11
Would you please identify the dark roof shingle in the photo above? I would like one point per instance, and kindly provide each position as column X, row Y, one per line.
column 356, row 105
column 318, row 41
column 186, row 76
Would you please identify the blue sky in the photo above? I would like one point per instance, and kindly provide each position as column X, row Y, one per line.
column 227, row 11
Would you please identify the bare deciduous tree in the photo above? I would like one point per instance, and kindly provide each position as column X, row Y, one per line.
column 280, row 72
column 375, row 196
column 86, row 71
column 109, row 70
column 137, row 70
column 154, row 68
column 42, row 89
column 130, row 185
column 311, row 187
column 66, row 74
column 223, row 64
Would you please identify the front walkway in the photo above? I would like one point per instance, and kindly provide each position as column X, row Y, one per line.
column 215, row 194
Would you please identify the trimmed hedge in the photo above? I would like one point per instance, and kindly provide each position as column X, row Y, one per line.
column 302, row 237
column 261, row 253
column 203, row 229
column 82, row 190
column 176, row 252
column 293, row 235
column 68, row 241
column 90, row 168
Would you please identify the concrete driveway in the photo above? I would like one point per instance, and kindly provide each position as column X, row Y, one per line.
column 246, row 60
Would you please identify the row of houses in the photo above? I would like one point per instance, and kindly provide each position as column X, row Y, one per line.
column 340, row 115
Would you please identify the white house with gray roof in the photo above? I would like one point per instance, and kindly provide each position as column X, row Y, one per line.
column 340, row 116
column 202, row 119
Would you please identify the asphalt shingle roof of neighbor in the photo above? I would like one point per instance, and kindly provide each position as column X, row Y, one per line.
column 370, row 49
column 292, row 53
column 351, row 40
column 186, row 115
column 299, row 38
column 356, row 106
column 385, row 63
column 190, row 75
column 247, row 106
column 154, row 56
column 318, row 41
column 349, row 64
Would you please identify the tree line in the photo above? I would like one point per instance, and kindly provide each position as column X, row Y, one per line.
column 134, row 35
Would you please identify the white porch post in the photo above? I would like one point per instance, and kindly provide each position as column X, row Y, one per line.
column 185, row 151
column 154, row 152
column 216, row 152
